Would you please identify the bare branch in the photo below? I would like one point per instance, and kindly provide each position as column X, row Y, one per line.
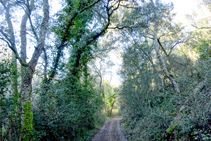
column 205, row 27
column 118, row 4
column 11, row 39
column 158, row 40
column 23, row 28
column 42, row 34
column 16, row 53
column 163, row 64
column 46, row 64
column 30, row 7
column 3, row 4
column 5, row 35
column 174, row 46
column 7, row 43
column 127, row 27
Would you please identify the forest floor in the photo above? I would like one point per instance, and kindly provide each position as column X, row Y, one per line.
column 111, row 131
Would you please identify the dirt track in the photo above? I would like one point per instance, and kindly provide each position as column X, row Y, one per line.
column 111, row 131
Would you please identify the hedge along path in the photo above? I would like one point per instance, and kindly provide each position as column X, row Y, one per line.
column 111, row 131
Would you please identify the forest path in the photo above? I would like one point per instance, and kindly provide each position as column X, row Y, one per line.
column 111, row 131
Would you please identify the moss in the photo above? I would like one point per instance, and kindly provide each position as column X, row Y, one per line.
column 28, row 122
column 183, row 110
column 171, row 128
column 172, row 75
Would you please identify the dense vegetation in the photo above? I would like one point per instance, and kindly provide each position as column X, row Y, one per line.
column 166, row 72
column 52, row 66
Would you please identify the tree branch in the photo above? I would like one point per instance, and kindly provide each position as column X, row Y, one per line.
column 16, row 53
column 46, row 64
column 158, row 40
column 5, row 35
column 27, row 10
column 42, row 34
column 89, row 39
column 64, row 39
column 174, row 46
column 127, row 27
column 30, row 7
column 205, row 27
column 11, row 39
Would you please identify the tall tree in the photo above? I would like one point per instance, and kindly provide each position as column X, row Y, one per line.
column 156, row 46
column 27, row 68
column 71, row 29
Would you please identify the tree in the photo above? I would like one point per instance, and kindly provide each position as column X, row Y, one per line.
column 176, row 87
column 153, row 52
column 9, row 37
column 71, row 30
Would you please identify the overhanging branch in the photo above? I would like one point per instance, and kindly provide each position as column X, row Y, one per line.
column 64, row 39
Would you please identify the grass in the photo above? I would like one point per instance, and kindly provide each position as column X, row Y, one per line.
column 115, row 112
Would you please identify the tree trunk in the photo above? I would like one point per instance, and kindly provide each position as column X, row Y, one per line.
column 23, row 46
column 163, row 65
column 16, row 97
column 11, row 36
column 27, row 115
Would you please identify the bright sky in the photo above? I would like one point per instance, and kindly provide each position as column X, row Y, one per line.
column 183, row 6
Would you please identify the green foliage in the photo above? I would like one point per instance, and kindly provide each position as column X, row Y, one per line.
column 4, row 101
column 70, row 106
column 204, row 49
column 71, row 109
column 67, row 107
column 150, row 107
column 69, row 112
column 77, row 24
column 170, row 129
column 9, row 121
column 110, row 98
column 4, row 76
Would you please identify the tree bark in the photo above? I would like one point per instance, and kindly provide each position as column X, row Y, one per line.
column 23, row 34
column 163, row 65
column 27, row 115
column 11, row 37
column 23, row 55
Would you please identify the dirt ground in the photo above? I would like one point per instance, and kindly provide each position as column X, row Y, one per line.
column 111, row 131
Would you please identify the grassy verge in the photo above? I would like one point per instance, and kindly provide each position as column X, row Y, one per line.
column 98, row 125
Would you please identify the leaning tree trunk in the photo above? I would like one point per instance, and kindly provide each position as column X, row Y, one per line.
column 163, row 65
